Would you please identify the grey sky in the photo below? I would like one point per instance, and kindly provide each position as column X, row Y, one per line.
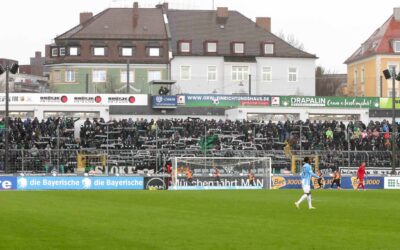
column 332, row 30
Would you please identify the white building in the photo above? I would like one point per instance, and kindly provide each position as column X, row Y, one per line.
column 222, row 51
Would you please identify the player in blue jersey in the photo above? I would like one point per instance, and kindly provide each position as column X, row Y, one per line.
column 306, row 174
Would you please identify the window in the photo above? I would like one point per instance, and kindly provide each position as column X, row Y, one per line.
column 238, row 48
column 54, row 52
column 390, row 92
column 267, row 74
column 73, row 51
column 69, row 76
column 154, row 52
column 268, row 48
column 355, row 77
column 124, row 76
column 184, row 47
column 153, row 75
column 99, row 51
column 211, row 47
column 186, row 72
column 62, row 51
column 126, row 51
column 362, row 76
column 212, row 73
column 392, row 67
column 292, row 74
column 99, row 76
column 396, row 46
column 240, row 73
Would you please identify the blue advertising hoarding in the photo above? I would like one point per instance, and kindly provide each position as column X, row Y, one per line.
column 80, row 183
column 8, row 183
column 164, row 101
column 347, row 182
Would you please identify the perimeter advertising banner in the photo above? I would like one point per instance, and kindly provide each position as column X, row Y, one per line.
column 386, row 103
column 329, row 102
column 8, row 183
column 75, row 99
column 223, row 101
column 225, row 183
column 347, row 182
column 80, row 183
column 392, row 182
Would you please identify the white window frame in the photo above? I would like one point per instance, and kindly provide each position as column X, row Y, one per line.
column 390, row 92
column 70, row 75
column 396, row 46
column 236, row 49
column 54, row 52
column 123, row 76
column 183, row 75
column 154, row 52
column 293, row 74
column 62, row 51
column 127, row 51
column 99, row 51
column 73, row 51
column 150, row 72
column 208, row 47
column 212, row 73
column 184, row 47
column 355, row 77
column 267, row 74
column 240, row 73
column 99, row 75
column 269, row 48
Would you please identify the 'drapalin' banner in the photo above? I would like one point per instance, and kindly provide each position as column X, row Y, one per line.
column 223, row 101
column 386, row 103
column 328, row 102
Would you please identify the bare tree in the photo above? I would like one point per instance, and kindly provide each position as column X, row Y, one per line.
column 292, row 40
column 329, row 83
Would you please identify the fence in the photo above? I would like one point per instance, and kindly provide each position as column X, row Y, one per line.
column 154, row 161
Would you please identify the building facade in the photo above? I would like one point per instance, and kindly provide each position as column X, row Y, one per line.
column 96, row 55
column 381, row 51
column 223, row 52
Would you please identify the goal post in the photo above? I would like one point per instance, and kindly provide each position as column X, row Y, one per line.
column 205, row 173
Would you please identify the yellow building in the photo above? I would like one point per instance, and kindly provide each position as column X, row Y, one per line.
column 381, row 51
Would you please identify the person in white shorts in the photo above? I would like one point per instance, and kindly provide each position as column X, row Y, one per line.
column 306, row 175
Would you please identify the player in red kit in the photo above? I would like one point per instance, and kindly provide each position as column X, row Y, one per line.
column 361, row 175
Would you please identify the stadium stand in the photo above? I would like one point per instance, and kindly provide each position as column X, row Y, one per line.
column 147, row 144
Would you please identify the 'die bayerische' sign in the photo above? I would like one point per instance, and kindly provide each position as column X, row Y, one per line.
column 332, row 102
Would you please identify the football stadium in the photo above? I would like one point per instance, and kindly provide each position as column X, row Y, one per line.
column 168, row 126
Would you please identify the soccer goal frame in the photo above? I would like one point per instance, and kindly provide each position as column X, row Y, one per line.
column 233, row 173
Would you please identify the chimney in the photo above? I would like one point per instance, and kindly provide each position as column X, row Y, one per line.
column 222, row 14
column 264, row 23
column 396, row 14
column 38, row 54
column 135, row 13
column 163, row 6
column 84, row 17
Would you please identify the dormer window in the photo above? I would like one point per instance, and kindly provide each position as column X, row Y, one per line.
column 99, row 51
column 211, row 47
column 153, row 52
column 62, row 51
column 268, row 48
column 54, row 52
column 73, row 51
column 185, row 46
column 238, row 47
column 396, row 46
column 127, row 51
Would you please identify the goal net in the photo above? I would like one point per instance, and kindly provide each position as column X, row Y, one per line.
column 203, row 173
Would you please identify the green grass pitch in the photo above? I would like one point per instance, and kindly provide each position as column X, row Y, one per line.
column 251, row 219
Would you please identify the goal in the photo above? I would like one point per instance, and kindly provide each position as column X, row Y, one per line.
column 203, row 173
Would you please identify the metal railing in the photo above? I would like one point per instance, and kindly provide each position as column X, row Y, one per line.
column 134, row 161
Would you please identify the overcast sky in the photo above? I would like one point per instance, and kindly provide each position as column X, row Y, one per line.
column 332, row 30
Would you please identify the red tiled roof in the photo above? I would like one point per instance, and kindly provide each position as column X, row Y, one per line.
column 380, row 42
